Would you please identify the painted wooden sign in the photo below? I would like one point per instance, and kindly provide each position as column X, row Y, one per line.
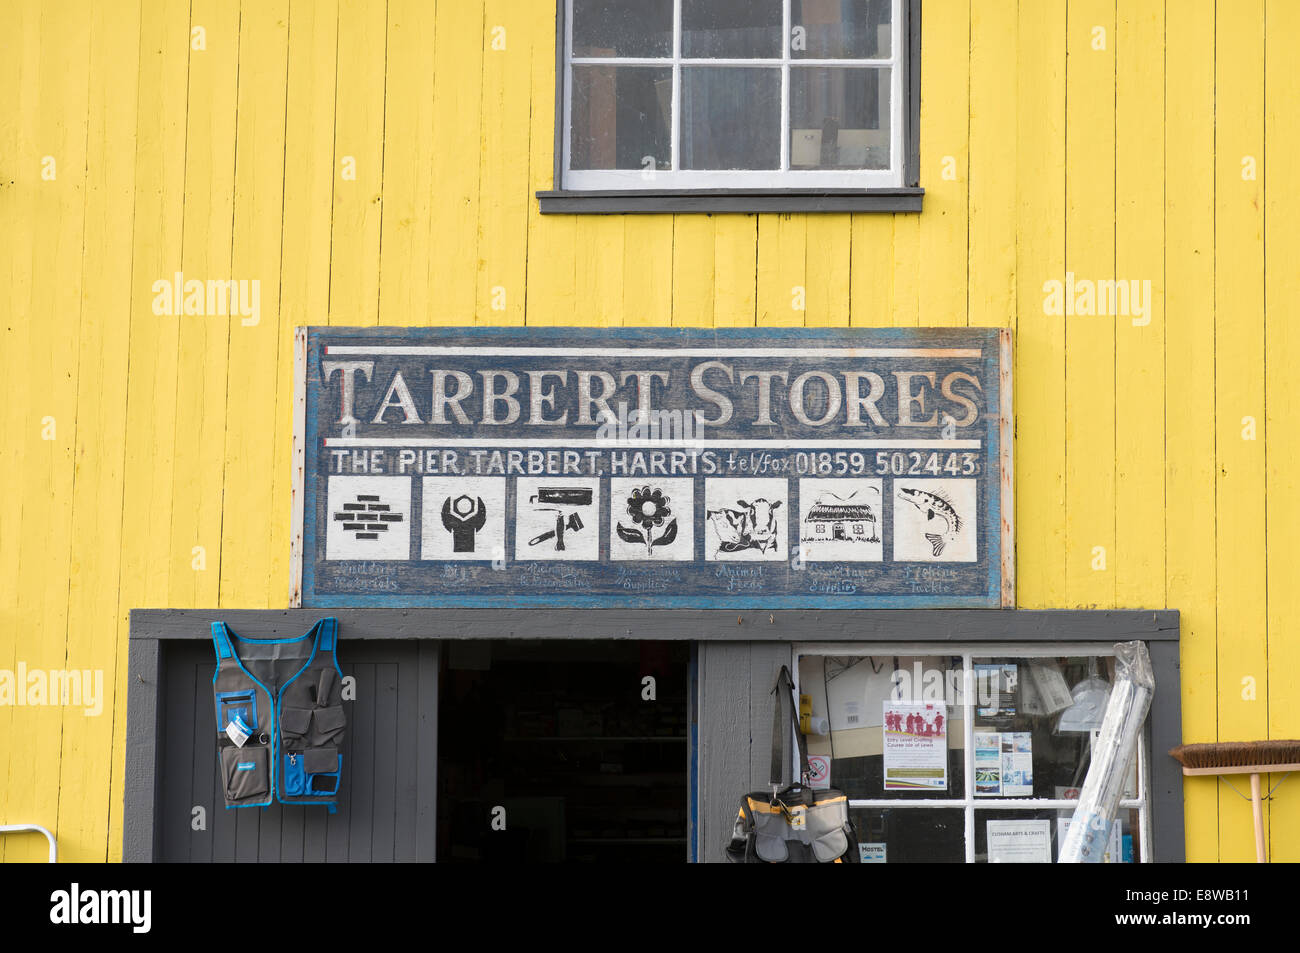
column 655, row 467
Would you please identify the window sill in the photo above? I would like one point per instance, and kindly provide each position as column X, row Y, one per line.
column 743, row 201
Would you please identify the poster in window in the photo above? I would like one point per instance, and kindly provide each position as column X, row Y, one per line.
column 915, row 746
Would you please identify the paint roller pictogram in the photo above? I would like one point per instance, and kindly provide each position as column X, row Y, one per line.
column 560, row 498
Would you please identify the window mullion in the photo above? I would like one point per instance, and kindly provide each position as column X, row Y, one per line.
column 968, row 760
column 897, row 40
column 675, row 134
column 785, row 86
column 566, row 160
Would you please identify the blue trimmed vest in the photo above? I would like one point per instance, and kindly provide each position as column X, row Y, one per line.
column 280, row 720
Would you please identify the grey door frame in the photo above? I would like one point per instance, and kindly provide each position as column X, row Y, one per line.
column 739, row 655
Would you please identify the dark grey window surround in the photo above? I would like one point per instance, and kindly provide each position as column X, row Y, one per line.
column 740, row 653
column 559, row 201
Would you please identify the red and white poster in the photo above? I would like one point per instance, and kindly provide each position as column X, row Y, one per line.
column 915, row 746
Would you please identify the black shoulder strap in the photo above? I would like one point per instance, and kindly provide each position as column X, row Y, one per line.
column 784, row 692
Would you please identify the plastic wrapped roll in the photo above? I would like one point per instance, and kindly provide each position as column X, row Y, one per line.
column 1113, row 752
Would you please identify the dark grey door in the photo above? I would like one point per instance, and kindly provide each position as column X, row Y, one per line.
column 386, row 807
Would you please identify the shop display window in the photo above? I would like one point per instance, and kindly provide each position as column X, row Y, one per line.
column 976, row 753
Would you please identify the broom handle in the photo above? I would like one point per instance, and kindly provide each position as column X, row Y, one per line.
column 1258, row 807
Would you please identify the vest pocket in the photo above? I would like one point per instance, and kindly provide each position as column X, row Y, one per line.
column 241, row 703
column 295, row 723
column 327, row 726
column 322, row 769
column 246, row 772
column 295, row 777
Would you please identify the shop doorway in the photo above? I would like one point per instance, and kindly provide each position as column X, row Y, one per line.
column 564, row 751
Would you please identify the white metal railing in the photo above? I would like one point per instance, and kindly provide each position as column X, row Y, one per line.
column 32, row 829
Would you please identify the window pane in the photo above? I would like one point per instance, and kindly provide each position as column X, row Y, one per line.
column 731, row 118
column 839, row 118
column 1022, row 836
column 835, row 29
column 910, row 836
column 741, row 29
column 851, row 693
column 621, row 117
column 1033, row 725
column 622, row 27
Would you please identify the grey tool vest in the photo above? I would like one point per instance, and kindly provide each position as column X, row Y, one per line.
column 286, row 695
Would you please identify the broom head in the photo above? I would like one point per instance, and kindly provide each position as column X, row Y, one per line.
column 1229, row 754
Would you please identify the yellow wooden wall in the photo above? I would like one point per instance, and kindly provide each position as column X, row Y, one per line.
column 1110, row 138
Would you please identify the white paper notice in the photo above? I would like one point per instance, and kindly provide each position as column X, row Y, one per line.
column 915, row 746
column 1020, row 842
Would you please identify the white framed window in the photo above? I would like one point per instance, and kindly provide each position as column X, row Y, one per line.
column 979, row 691
column 793, row 95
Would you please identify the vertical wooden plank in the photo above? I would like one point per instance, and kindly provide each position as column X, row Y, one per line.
column 871, row 272
column 457, row 92
column 85, row 767
column 1139, row 557
column 1090, row 336
column 151, row 385
column 1282, row 394
column 405, row 245
column 180, row 742
column 46, row 385
column 598, row 270
column 993, row 175
column 735, row 271
column 359, row 162
column 357, row 841
column 19, row 27
column 257, row 340
column 648, row 270
column 199, row 771
column 20, row 428
column 907, row 264
column 426, row 818
column 407, row 733
column 551, row 259
column 202, row 361
column 830, row 242
column 945, row 124
column 782, row 277
column 694, row 241
column 383, row 816
column 503, row 178
column 1239, row 394
column 1190, row 569
column 143, row 714
column 1040, row 337
column 723, row 741
column 309, row 173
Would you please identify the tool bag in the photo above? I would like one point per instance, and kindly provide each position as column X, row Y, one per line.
column 794, row 824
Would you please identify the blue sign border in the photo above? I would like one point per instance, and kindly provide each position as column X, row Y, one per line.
column 996, row 458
